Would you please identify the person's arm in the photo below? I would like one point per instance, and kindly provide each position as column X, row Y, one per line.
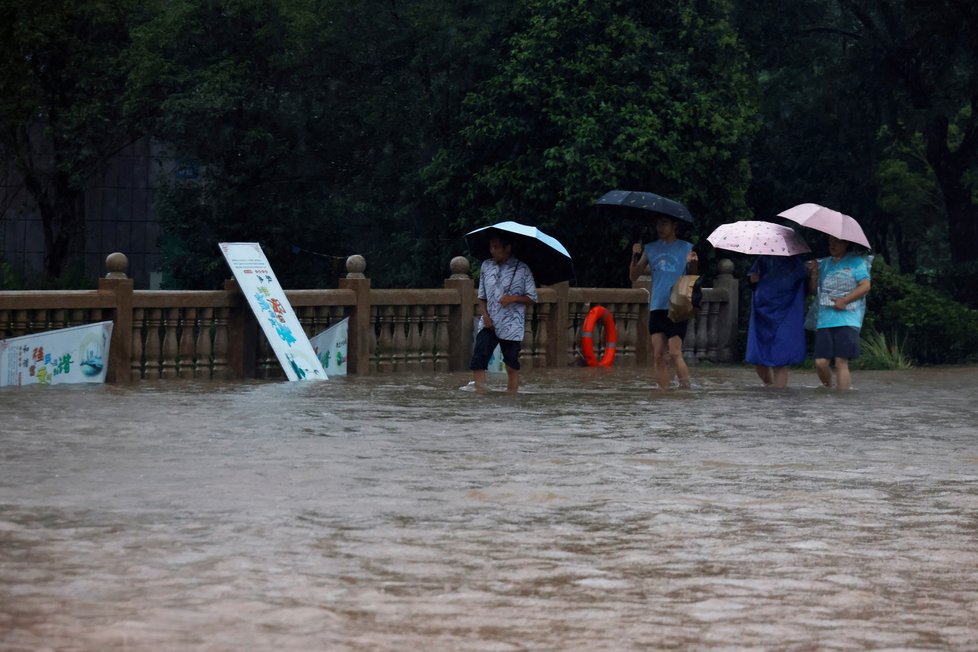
column 637, row 263
column 484, row 310
column 812, row 276
column 692, row 262
column 507, row 299
column 862, row 289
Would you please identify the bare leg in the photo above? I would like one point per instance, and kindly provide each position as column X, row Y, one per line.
column 842, row 374
column 676, row 354
column 479, row 376
column 512, row 380
column 823, row 371
column 659, row 365
column 764, row 373
column 779, row 376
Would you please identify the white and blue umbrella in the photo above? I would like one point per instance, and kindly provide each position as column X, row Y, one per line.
column 549, row 260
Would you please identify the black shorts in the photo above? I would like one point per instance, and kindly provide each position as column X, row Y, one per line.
column 837, row 342
column 659, row 322
column 485, row 344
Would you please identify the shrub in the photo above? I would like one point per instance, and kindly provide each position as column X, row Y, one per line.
column 877, row 353
column 933, row 327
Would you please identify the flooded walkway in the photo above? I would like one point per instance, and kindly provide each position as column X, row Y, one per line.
column 585, row 513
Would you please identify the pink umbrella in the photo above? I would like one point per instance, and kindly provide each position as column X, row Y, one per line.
column 753, row 237
column 827, row 221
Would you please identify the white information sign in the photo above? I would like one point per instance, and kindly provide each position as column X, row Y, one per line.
column 78, row 354
column 277, row 319
column 331, row 347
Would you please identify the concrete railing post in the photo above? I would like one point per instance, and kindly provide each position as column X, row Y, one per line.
column 729, row 312
column 116, row 282
column 643, row 344
column 358, row 342
column 242, row 330
column 557, row 331
column 460, row 316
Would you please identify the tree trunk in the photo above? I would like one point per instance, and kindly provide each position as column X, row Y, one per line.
column 62, row 220
column 949, row 169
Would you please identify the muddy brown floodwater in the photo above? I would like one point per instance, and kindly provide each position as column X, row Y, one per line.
column 399, row 513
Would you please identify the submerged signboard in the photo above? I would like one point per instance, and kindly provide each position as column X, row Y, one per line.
column 331, row 347
column 78, row 354
column 275, row 316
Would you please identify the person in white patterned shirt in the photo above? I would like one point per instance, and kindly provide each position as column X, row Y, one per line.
column 506, row 288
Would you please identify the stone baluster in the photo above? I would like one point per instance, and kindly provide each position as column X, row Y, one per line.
column 385, row 339
column 401, row 355
column 188, row 325
column 171, row 319
column 136, row 356
column 266, row 365
column 154, row 317
column 625, row 326
column 442, row 343
column 542, row 342
column 205, row 344
column 372, row 363
column 412, row 344
column 221, row 343
column 20, row 323
column 38, row 321
column 702, row 331
column 689, row 342
column 58, row 318
column 428, row 321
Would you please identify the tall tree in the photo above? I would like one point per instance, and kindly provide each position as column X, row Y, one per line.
column 859, row 95
column 63, row 71
column 597, row 95
column 921, row 59
column 309, row 122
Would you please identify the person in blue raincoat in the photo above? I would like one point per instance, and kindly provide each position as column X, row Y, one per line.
column 776, row 331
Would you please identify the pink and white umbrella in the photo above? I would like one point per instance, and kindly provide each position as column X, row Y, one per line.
column 827, row 221
column 754, row 237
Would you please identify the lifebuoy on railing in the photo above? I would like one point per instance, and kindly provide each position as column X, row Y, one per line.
column 610, row 337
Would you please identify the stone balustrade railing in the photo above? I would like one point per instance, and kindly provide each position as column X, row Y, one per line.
column 212, row 334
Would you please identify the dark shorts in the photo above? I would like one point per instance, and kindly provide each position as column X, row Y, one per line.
column 659, row 322
column 485, row 344
column 838, row 342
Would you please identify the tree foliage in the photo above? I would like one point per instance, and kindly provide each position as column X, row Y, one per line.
column 599, row 95
column 869, row 107
column 391, row 128
column 63, row 69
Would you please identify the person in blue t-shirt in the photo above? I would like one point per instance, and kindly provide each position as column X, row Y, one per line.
column 667, row 258
column 841, row 282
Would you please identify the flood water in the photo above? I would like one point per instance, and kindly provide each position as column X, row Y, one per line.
column 585, row 513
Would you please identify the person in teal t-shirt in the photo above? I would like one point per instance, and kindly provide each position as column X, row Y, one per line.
column 667, row 259
column 841, row 282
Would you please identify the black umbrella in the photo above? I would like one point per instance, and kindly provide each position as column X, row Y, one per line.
column 546, row 257
column 647, row 201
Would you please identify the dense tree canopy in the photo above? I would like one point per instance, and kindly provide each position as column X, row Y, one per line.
column 63, row 67
column 390, row 128
column 600, row 95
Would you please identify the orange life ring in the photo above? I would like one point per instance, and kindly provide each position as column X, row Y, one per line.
column 610, row 337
